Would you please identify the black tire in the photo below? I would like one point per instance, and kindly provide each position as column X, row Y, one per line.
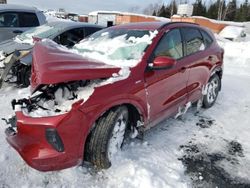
column 210, row 98
column 26, row 81
column 97, row 144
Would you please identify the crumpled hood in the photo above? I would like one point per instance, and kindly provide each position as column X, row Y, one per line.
column 9, row 46
column 52, row 65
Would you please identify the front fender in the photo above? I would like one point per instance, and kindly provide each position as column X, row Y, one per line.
column 96, row 111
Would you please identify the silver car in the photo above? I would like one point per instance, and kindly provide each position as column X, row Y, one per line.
column 15, row 19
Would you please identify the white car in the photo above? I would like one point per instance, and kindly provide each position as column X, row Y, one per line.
column 234, row 33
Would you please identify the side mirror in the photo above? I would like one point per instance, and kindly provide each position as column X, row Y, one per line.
column 163, row 62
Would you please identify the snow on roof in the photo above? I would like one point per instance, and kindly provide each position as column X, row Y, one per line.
column 17, row 7
column 95, row 13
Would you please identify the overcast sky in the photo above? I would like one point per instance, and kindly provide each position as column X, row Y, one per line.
column 85, row 6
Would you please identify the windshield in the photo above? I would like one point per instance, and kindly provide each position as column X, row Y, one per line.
column 116, row 46
column 44, row 31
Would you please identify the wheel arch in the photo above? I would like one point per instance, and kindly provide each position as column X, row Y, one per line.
column 134, row 108
column 219, row 71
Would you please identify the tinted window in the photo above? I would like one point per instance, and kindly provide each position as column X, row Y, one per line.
column 170, row 45
column 91, row 30
column 9, row 19
column 194, row 40
column 207, row 39
column 28, row 20
column 70, row 38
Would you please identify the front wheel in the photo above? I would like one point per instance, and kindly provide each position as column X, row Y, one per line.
column 107, row 137
column 213, row 88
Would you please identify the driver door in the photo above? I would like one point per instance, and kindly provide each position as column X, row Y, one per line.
column 167, row 88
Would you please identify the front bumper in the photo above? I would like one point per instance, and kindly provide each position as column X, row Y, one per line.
column 30, row 140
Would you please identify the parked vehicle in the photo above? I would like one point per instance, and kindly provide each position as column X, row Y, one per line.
column 15, row 19
column 66, row 33
column 118, row 82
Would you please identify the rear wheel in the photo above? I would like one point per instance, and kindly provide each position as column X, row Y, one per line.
column 213, row 88
column 107, row 137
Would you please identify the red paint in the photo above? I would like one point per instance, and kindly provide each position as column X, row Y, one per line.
column 54, row 66
column 164, row 90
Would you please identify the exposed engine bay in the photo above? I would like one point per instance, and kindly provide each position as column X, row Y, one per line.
column 53, row 99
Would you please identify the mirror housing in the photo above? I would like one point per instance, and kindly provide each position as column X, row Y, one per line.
column 163, row 62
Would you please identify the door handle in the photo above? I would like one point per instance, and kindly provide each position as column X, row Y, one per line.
column 183, row 69
column 17, row 31
column 210, row 58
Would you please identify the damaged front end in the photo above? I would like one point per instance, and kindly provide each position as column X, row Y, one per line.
column 42, row 129
column 50, row 128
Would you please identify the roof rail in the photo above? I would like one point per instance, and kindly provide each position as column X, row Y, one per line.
column 170, row 23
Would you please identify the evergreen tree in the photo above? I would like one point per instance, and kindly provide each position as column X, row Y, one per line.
column 199, row 8
column 173, row 8
column 231, row 10
column 212, row 11
column 154, row 13
column 239, row 14
column 162, row 11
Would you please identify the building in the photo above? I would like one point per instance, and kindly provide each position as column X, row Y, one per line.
column 110, row 18
column 83, row 18
column 3, row 1
column 104, row 18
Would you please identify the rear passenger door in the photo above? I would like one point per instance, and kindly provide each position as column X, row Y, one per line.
column 166, row 88
column 9, row 23
column 199, row 61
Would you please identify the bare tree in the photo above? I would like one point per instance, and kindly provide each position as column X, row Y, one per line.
column 220, row 9
column 152, row 7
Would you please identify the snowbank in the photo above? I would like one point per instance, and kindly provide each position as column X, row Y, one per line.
column 236, row 56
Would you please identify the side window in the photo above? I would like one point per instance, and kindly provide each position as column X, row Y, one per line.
column 206, row 38
column 28, row 20
column 90, row 30
column 194, row 40
column 170, row 45
column 9, row 19
column 70, row 38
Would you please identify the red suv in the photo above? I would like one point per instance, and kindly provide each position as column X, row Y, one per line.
column 118, row 82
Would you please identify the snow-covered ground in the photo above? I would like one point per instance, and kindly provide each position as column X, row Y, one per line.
column 208, row 149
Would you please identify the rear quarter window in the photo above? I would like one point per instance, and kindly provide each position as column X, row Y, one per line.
column 207, row 38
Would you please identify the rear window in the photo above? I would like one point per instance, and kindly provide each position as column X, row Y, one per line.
column 194, row 40
column 28, row 20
